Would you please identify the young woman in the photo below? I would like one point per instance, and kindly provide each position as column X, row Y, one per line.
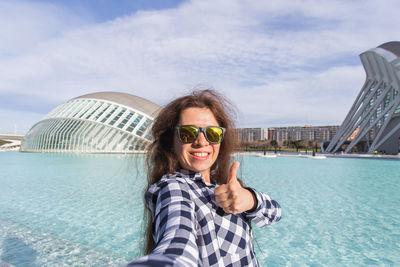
column 200, row 214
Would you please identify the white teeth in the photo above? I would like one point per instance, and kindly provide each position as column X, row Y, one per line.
column 200, row 154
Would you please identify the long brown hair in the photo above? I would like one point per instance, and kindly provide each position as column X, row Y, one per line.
column 161, row 158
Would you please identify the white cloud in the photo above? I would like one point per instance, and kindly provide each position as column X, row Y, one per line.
column 280, row 62
column 304, row 98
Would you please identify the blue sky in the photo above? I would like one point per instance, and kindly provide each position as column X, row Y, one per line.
column 280, row 62
column 105, row 10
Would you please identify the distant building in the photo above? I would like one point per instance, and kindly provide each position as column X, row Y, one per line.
column 251, row 134
column 271, row 134
column 105, row 122
column 306, row 133
column 373, row 122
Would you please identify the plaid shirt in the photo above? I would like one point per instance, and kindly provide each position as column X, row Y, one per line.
column 190, row 229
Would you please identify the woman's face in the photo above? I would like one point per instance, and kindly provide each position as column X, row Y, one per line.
column 200, row 155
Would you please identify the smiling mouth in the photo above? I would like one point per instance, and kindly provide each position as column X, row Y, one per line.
column 199, row 155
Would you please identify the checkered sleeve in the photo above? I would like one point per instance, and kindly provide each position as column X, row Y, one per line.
column 173, row 227
column 266, row 212
column 152, row 260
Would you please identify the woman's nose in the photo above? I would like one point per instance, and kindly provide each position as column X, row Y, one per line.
column 201, row 140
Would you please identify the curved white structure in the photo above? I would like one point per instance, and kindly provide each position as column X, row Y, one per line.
column 105, row 122
column 373, row 122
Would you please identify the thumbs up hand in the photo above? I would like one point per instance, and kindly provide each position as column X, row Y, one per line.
column 232, row 197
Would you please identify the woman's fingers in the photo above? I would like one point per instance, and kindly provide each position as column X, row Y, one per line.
column 222, row 189
column 225, row 204
column 229, row 203
column 228, row 207
column 221, row 197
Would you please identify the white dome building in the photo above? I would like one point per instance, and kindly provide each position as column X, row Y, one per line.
column 105, row 122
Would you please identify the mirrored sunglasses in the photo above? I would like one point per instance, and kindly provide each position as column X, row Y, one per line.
column 189, row 133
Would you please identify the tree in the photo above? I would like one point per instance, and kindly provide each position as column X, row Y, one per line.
column 297, row 144
column 274, row 144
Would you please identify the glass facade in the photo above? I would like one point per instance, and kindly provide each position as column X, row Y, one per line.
column 91, row 126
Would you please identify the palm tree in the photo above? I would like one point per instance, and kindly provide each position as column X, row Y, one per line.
column 274, row 144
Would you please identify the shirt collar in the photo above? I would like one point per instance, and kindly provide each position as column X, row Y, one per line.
column 196, row 176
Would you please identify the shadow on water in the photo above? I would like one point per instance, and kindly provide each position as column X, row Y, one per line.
column 17, row 253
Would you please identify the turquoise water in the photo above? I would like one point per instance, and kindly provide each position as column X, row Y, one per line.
column 86, row 210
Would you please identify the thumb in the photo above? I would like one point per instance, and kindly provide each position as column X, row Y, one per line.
column 232, row 172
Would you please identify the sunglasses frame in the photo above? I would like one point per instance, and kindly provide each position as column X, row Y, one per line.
column 203, row 130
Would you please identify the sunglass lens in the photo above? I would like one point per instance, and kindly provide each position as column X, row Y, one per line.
column 188, row 134
column 214, row 134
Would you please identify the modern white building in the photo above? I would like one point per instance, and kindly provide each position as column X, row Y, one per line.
column 373, row 122
column 105, row 122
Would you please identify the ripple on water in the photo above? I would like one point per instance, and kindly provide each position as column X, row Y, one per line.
column 24, row 247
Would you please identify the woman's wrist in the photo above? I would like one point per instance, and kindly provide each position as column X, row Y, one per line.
column 252, row 200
